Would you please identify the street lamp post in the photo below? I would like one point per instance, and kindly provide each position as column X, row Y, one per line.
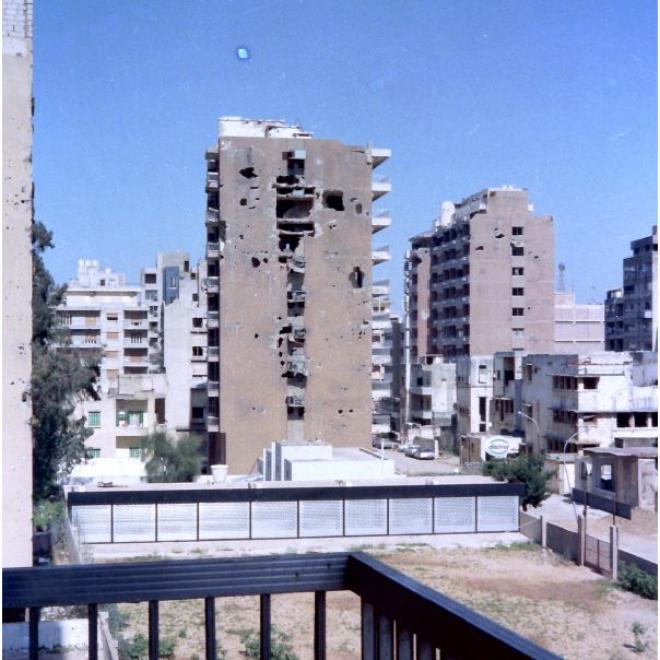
column 531, row 419
column 563, row 460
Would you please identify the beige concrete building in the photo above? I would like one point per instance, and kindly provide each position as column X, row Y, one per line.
column 579, row 328
column 289, row 224
column 492, row 265
column 17, row 212
column 632, row 312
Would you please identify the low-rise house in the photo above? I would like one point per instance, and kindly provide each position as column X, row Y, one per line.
column 629, row 476
column 474, row 393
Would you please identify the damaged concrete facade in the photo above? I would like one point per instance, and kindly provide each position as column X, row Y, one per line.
column 289, row 255
column 17, row 212
column 492, row 276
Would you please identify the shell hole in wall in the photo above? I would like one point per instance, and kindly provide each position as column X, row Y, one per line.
column 248, row 173
column 357, row 278
column 333, row 199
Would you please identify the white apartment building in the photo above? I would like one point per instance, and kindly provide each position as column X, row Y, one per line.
column 600, row 399
column 152, row 340
column 432, row 411
column 578, row 328
column 105, row 314
column 474, row 393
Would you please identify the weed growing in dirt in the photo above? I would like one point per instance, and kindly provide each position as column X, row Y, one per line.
column 639, row 582
column 281, row 647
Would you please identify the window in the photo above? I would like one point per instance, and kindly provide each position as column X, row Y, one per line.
column 94, row 419
column 197, row 322
column 518, row 311
column 134, row 452
column 517, row 271
column 195, row 297
column 518, row 332
column 517, row 231
column 198, row 351
column 197, row 412
column 92, row 453
column 517, row 251
column 112, row 335
column 112, row 316
column 517, row 291
column 590, row 383
column 150, row 278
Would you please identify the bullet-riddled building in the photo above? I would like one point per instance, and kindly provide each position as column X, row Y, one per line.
column 289, row 227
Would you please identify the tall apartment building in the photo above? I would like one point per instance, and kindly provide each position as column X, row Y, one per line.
column 17, row 212
column 386, row 363
column 161, row 284
column 289, row 227
column 579, row 328
column 631, row 313
column 417, row 295
column 492, row 283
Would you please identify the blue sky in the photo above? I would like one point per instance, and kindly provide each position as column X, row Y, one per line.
column 558, row 97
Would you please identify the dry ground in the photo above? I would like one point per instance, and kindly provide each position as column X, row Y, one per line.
column 570, row 610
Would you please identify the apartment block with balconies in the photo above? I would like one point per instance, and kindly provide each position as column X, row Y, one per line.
column 491, row 276
column 631, row 312
column 289, row 288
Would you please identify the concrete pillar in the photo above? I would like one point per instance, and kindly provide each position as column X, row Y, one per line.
column 544, row 532
column 582, row 540
column 614, row 551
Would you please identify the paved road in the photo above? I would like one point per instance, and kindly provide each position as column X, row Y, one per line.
column 414, row 467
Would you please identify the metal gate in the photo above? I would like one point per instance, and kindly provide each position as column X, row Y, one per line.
column 598, row 556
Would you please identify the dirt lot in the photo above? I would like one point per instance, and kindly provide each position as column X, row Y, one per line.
column 570, row 610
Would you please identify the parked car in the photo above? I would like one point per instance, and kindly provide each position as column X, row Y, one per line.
column 386, row 443
column 423, row 454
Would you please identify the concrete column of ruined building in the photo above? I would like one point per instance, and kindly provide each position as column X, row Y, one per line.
column 293, row 294
column 17, row 209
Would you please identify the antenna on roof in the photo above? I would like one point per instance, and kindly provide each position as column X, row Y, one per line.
column 562, row 285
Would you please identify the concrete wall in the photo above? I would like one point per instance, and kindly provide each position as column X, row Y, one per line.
column 474, row 381
column 17, row 210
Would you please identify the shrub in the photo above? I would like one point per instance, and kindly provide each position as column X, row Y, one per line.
column 638, row 581
column 280, row 648
column 47, row 512
column 171, row 460
column 527, row 470
column 133, row 649
column 166, row 648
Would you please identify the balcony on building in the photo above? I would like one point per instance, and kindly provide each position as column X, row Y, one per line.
column 212, row 422
column 213, row 387
column 213, row 284
column 380, row 255
column 136, row 342
column 380, row 220
column 212, row 181
column 396, row 612
column 379, row 156
column 212, row 216
column 381, row 288
column 213, row 353
column 213, row 250
column 380, row 186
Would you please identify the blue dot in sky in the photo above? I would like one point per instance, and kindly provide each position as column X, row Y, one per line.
column 242, row 53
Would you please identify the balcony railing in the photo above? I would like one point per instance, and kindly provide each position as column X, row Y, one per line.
column 398, row 613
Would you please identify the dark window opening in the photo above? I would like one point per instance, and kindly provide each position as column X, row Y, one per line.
column 243, row 201
column 248, row 173
column 517, row 251
column 622, row 420
column 357, row 278
column 294, row 208
column 160, row 411
column 333, row 199
column 358, row 208
column 590, row 383
column 289, row 242
column 197, row 412
column 517, row 231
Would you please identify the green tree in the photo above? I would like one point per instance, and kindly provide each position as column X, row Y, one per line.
column 59, row 377
column 170, row 459
column 528, row 470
